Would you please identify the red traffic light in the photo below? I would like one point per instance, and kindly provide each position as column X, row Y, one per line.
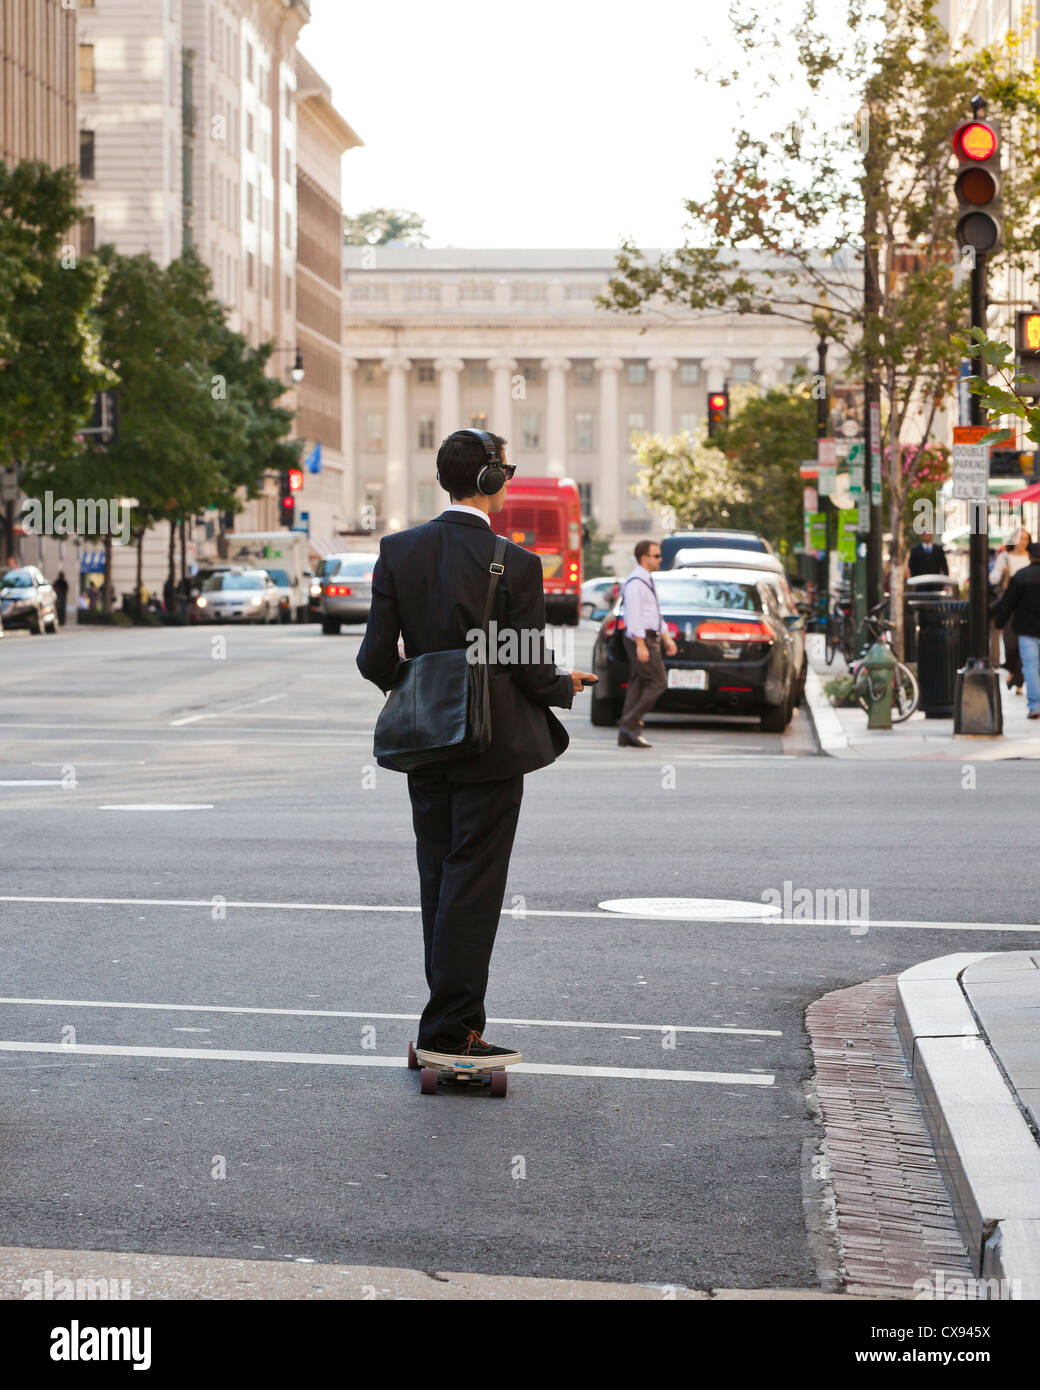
column 288, row 503
column 975, row 140
column 295, row 479
column 717, row 402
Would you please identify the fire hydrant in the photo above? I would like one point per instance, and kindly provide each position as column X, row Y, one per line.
column 875, row 680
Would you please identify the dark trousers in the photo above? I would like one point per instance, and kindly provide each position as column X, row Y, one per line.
column 1012, row 655
column 647, row 680
column 463, row 839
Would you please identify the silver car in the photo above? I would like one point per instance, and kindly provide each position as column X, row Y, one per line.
column 346, row 592
column 239, row 596
column 28, row 600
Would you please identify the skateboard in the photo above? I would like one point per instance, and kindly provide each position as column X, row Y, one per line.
column 464, row 1074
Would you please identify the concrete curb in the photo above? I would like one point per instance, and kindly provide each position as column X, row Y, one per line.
column 985, row 1148
column 830, row 734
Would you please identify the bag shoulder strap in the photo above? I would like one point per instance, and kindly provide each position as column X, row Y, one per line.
column 496, row 570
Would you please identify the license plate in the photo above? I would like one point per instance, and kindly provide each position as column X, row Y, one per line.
column 687, row 680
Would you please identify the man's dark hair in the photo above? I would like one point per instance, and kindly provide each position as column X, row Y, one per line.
column 459, row 461
column 641, row 548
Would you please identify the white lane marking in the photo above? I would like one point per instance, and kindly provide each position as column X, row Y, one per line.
column 231, row 709
column 691, row 909
column 529, row 912
column 162, row 806
column 335, row 1059
column 342, row 1013
column 32, row 782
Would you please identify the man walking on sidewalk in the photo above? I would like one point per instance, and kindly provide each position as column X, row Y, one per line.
column 645, row 635
column 1021, row 600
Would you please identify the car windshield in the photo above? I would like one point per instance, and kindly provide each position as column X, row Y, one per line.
column 233, row 581
column 16, row 579
column 280, row 577
column 356, row 568
column 682, row 591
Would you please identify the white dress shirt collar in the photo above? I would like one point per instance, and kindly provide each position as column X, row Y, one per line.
column 472, row 511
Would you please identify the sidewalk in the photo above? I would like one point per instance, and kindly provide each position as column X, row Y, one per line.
column 843, row 733
column 969, row 1025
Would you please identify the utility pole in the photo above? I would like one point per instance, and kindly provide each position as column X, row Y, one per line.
column 868, row 575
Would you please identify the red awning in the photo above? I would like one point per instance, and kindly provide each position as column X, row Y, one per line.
column 1024, row 494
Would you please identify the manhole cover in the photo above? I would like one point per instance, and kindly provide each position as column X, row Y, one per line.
column 690, row 909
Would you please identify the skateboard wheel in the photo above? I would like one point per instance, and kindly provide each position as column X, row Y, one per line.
column 413, row 1061
column 499, row 1084
column 428, row 1081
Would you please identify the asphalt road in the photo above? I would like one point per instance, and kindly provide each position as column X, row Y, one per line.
column 274, row 908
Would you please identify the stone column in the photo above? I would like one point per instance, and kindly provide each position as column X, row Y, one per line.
column 556, row 369
column 398, row 480
column 715, row 369
column 608, row 503
column 663, row 369
column 502, row 369
column 448, row 369
column 350, row 500
column 769, row 370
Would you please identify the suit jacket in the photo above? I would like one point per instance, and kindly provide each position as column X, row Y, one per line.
column 430, row 584
column 1021, row 599
column 921, row 562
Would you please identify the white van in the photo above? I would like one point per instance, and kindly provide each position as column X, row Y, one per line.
column 284, row 554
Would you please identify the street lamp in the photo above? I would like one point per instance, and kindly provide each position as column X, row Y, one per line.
column 296, row 371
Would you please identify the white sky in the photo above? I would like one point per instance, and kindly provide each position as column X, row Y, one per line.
column 555, row 123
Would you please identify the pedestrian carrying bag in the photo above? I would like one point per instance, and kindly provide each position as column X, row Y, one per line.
column 439, row 709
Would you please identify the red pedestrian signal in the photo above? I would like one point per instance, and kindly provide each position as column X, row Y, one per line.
column 295, row 479
column 718, row 410
column 980, row 222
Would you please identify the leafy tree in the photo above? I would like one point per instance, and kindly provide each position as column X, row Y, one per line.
column 686, row 478
column 49, row 364
column 378, row 226
column 849, row 228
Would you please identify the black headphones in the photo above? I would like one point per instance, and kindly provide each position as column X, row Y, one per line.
column 491, row 478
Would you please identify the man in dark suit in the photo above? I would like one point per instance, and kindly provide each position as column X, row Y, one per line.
column 430, row 584
column 926, row 558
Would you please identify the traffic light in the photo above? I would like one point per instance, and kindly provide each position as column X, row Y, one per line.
column 1027, row 351
column 287, row 506
column 718, row 410
column 980, row 212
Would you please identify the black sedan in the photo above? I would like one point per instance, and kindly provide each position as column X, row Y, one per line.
column 735, row 651
column 28, row 600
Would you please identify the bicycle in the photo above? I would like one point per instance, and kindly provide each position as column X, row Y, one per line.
column 905, row 690
column 840, row 632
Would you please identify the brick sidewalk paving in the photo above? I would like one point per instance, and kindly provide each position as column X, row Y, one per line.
column 895, row 1220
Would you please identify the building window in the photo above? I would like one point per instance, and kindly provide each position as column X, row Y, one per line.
column 636, row 421
column 532, row 373
column 478, row 373
column 288, row 163
column 86, row 154
column 478, row 419
column 583, row 433
column 689, row 373
column 530, row 290
column 288, row 291
column 471, row 289
column 267, row 282
column 415, row 289
column 373, row 432
column 250, row 203
column 250, row 270
column 531, row 431
column 249, row 62
column 688, row 423
column 425, row 431
column 584, row 373
column 369, row 292
column 370, row 372
column 637, row 373
column 425, row 371
column 288, row 229
column 250, row 132
column 585, row 494
column 87, row 235
column 426, row 497
column 741, row 372
column 86, row 67
column 374, row 499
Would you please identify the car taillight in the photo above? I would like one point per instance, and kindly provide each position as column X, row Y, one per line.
column 337, row 591
column 672, row 629
column 720, row 630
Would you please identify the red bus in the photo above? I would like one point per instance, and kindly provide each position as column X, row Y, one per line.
column 544, row 515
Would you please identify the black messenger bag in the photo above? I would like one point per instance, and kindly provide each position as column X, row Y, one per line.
column 439, row 709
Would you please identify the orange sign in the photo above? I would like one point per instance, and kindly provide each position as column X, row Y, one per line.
column 972, row 434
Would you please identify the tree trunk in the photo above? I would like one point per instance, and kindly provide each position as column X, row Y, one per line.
column 184, row 555
column 139, row 584
column 170, row 593
column 896, row 503
column 106, row 592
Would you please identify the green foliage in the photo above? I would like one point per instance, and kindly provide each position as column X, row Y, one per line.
column 1002, row 397
column 839, row 690
column 377, row 226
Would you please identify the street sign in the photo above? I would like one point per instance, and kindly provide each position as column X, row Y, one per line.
column 863, row 509
column 808, row 468
column 971, row 463
column 826, row 484
column 827, row 451
column 816, row 531
column 810, row 501
column 847, row 525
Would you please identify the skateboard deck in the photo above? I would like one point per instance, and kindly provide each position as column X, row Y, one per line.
column 465, row 1073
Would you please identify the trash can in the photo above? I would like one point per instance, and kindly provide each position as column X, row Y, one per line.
column 925, row 588
column 942, row 649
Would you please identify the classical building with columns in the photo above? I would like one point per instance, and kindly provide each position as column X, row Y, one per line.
column 512, row 341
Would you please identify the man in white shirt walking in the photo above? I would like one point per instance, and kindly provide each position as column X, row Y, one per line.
column 645, row 635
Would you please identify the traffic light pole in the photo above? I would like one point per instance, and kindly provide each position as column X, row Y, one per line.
column 978, row 533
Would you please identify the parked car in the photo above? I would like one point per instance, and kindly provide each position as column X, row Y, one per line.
column 28, row 600
column 346, row 594
column 328, row 564
column 734, row 652
column 769, row 569
column 237, row 595
column 715, row 537
column 597, row 596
